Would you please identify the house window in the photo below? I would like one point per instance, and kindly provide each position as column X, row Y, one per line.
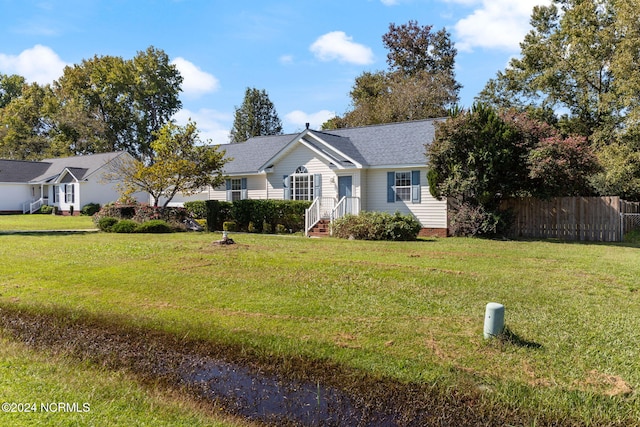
column 403, row 186
column 236, row 189
column 56, row 189
column 301, row 185
column 69, row 193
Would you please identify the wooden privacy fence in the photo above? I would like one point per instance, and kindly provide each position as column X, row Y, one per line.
column 603, row 219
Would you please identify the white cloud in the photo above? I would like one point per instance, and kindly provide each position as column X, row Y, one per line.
column 299, row 118
column 390, row 2
column 495, row 24
column 212, row 125
column 337, row 45
column 286, row 59
column 196, row 82
column 39, row 64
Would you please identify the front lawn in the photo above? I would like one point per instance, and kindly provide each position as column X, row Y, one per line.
column 51, row 390
column 412, row 311
column 37, row 222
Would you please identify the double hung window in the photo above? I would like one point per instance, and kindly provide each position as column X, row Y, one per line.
column 301, row 185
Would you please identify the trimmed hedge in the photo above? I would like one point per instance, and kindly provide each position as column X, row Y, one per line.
column 258, row 216
column 105, row 223
column 217, row 214
column 377, row 226
column 90, row 209
column 154, row 226
column 124, row 226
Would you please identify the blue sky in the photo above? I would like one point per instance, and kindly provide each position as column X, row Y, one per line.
column 304, row 53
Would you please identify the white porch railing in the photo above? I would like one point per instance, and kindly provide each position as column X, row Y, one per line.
column 346, row 205
column 326, row 208
column 321, row 208
column 32, row 207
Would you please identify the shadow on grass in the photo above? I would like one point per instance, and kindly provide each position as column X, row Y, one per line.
column 511, row 338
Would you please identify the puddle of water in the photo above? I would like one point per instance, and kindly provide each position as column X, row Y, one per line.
column 264, row 397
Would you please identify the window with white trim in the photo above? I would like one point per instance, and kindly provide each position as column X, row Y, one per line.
column 69, row 193
column 403, row 186
column 236, row 189
column 301, row 185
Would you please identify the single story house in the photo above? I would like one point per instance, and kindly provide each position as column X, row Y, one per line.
column 66, row 183
column 371, row 168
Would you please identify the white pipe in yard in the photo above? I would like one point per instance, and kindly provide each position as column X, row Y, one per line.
column 493, row 320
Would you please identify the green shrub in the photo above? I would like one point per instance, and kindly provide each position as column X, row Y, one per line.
column 229, row 226
column 125, row 226
column 252, row 215
column 217, row 213
column 106, row 223
column 281, row 229
column 90, row 209
column 154, row 226
column 197, row 209
column 266, row 227
column 476, row 221
column 46, row 209
column 377, row 226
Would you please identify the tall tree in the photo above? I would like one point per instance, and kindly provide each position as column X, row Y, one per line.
column 566, row 63
column 255, row 117
column 25, row 124
column 420, row 82
column 10, row 88
column 131, row 99
column 182, row 164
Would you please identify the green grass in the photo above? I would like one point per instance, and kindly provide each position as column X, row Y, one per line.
column 38, row 222
column 34, row 384
column 409, row 310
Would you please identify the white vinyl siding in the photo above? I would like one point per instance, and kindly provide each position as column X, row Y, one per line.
column 431, row 213
column 301, row 156
column 255, row 189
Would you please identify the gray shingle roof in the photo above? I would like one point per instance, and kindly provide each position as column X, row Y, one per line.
column 392, row 144
column 81, row 167
column 21, row 171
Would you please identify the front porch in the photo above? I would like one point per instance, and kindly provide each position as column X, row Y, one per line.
column 324, row 210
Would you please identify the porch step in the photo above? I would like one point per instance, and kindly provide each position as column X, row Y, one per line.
column 321, row 229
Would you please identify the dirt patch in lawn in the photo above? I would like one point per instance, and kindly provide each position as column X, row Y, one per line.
column 273, row 390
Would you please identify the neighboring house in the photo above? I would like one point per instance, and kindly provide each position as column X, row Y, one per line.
column 63, row 183
column 372, row 168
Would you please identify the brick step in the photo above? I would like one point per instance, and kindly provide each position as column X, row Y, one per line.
column 321, row 229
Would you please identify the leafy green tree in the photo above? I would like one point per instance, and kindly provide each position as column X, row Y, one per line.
column 420, row 82
column 156, row 89
column 480, row 157
column 181, row 164
column 255, row 117
column 130, row 100
column 10, row 88
column 566, row 63
column 25, row 124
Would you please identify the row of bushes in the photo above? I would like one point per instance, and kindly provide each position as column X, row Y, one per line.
column 377, row 226
column 115, row 225
column 141, row 213
column 88, row 210
column 256, row 216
